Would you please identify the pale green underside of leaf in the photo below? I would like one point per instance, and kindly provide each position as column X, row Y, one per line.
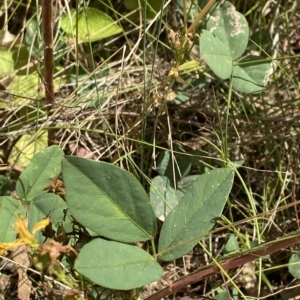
column 117, row 266
column 231, row 27
column 294, row 265
column 216, row 54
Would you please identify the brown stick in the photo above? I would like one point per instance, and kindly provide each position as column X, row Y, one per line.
column 202, row 13
column 230, row 263
column 48, row 49
column 47, row 23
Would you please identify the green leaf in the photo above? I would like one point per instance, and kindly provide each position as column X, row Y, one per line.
column 33, row 37
column 9, row 210
column 182, row 164
column 186, row 182
column 117, row 266
column 192, row 9
column 108, row 200
column 27, row 85
column 93, row 25
column 51, row 206
column 26, row 147
column 44, row 166
column 231, row 245
column 251, row 74
column 164, row 197
column 261, row 40
column 6, row 61
column 22, row 60
column 231, row 27
column 216, row 54
column 294, row 265
column 222, row 296
column 46, row 205
column 195, row 214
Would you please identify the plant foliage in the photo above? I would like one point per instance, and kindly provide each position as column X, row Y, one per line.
column 222, row 45
column 110, row 202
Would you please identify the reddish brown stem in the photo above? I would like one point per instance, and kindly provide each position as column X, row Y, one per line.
column 262, row 250
column 47, row 22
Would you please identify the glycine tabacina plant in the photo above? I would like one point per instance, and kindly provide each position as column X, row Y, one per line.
column 111, row 204
column 114, row 208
